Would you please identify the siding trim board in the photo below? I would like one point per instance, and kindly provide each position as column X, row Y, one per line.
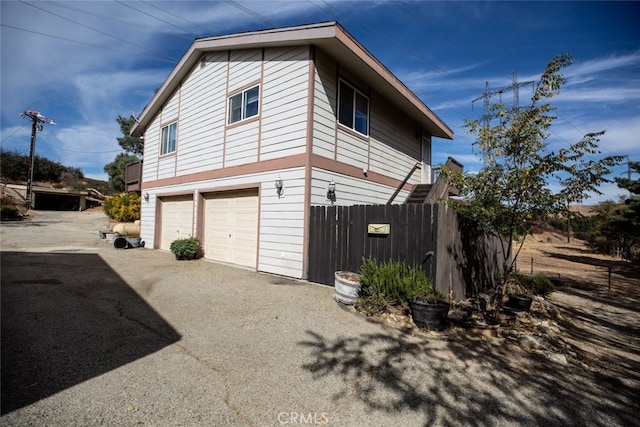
column 309, row 161
column 298, row 160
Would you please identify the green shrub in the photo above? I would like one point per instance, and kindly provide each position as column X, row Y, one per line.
column 538, row 284
column 124, row 207
column 9, row 212
column 186, row 248
column 392, row 283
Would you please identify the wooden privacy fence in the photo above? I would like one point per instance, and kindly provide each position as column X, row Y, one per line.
column 457, row 258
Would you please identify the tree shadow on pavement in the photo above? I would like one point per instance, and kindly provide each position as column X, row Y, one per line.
column 462, row 380
column 67, row 318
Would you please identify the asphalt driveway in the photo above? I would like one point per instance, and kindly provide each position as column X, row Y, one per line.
column 93, row 335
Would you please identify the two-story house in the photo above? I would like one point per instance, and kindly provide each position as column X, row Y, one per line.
column 250, row 130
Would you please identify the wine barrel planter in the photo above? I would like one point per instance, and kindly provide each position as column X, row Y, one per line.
column 347, row 285
column 429, row 315
column 519, row 302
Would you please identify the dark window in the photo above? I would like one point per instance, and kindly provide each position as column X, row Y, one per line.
column 168, row 139
column 244, row 105
column 353, row 109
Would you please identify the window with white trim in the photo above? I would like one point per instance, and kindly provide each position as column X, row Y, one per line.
column 168, row 139
column 244, row 105
column 353, row 108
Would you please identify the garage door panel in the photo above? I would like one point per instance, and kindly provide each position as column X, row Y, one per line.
column 176, row 218
column 231, row 227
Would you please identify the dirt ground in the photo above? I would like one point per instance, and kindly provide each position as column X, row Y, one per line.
column 598, row 297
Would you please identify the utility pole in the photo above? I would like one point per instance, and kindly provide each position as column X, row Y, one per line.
column 37, row 120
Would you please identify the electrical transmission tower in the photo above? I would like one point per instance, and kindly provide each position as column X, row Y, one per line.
column 488, row 94
column 37, row 122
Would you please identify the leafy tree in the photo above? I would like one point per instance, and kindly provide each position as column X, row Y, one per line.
column 130, row 144
column 631, row 215
column 133, row 148
column 15, row 167
column 512, row 191
column 116, row 170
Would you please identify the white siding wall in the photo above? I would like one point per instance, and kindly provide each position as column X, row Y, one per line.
column 395, row 145
column 151, row 151
column 202, row 116
column 242, row 144
column 281, row 235
column 349, row 190
column 324, row 113
column 244, row 67
column 285, row 99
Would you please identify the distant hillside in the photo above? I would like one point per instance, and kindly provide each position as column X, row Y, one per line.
column 15, row 169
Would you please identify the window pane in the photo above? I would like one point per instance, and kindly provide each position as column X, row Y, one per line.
column 251, row 102
column 171, row 146
column 235, row 108
column 163, row 141
column 345, row 107
column 362, row 114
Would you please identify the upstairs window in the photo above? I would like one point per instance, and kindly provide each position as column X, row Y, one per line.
column 168, row 139
column 244, row 105
column 353, row 108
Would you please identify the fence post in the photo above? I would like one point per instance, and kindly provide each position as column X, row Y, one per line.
column 532, row 266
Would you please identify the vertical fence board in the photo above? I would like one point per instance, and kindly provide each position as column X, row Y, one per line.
column 464, row 261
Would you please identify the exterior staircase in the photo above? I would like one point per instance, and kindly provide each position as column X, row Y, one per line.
column 431, row 193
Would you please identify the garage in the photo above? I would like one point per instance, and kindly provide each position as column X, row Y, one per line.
column 176, row 218
column 231, row 227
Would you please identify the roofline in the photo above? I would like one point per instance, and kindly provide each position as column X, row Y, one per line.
column 319, row 34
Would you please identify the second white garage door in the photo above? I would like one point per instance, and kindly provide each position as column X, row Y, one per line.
column 231, row 227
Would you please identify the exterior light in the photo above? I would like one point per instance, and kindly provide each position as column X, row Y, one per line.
column 279, row 186
column 146, row 197
column 331, row 192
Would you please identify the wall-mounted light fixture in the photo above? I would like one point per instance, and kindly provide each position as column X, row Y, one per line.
column 146, row 197
column 331, row 192
column 279, row 187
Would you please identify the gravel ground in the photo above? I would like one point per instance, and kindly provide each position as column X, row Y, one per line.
column 93, row 335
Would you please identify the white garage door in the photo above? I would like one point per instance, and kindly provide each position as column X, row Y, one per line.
column 231, row 227
column 177, row 219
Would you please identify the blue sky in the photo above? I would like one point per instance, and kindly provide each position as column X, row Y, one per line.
column 84, row 63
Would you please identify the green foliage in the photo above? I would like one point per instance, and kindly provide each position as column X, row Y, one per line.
column 538, row 284
column 116, row 170
column 186, row 248
column 630, row 215
column 124, row 207
column 511, row 191
column 392, row 283
column 15, row 167
column 130, row 144
column 9, row 212
column 133, row 148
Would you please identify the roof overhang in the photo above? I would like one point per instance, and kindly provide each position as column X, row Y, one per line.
column 333, row 40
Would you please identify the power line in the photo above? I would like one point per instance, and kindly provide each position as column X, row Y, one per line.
column 252, row 13
column 95, row 29
column 86, row 44
column 155, row 6
column 135, row 25
column 155, row 17
column 13, row 133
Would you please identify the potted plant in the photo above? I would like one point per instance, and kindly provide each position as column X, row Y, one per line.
column 186, row 248
column 347, row 286
column 429, row 308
